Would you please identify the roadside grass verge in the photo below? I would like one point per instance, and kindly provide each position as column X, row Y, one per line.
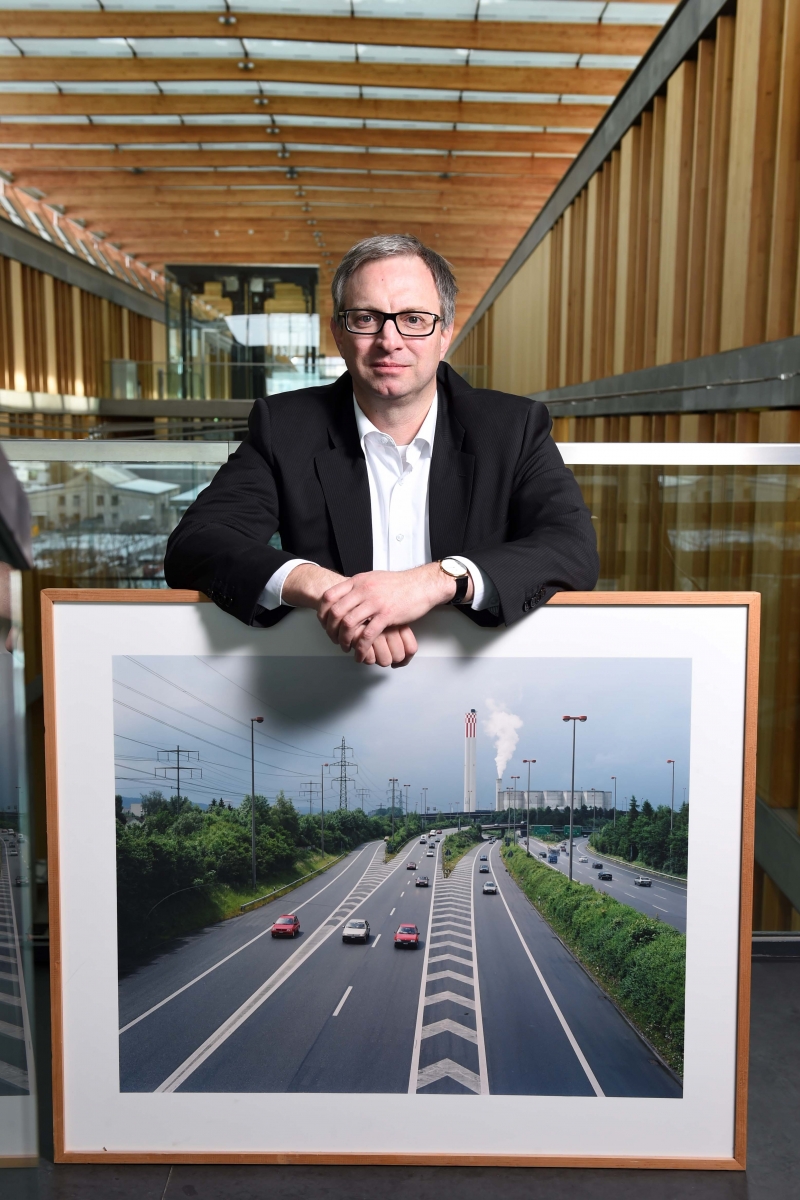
column 640, row 866
column 639, row 961
column 458, row 844
column 193, row 909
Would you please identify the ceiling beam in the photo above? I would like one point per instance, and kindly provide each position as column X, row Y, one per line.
column 410, row 139
column 436, row 164
column 583, row 116
column 557, row 37
column 96, row 209
column 558, row 80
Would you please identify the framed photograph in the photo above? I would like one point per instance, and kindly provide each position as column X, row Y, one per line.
column 492, row 908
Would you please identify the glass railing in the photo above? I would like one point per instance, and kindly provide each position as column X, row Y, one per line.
column 668, row 516
column 212, row 379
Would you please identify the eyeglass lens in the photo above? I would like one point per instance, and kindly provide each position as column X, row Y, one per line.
column 410, row 324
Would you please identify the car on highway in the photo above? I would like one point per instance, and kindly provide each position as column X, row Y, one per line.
column 483, row 869
column 583, row 858
column 431, row 854
column 356, row 930
column 484, row 857
column 411, row 866
column 642, row 881
column 20, row 882
column 552, row 857
column 13, row 852
column 605, row 876
column 423, row 841
column 287, row 925
column 406, row 936
column 422, row 881
column 439, row 832
column 597, row 866
column 490, row 888
column 542, row 854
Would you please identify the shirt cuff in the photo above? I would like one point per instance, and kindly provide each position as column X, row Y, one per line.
column 272, row 595
column 484, row 593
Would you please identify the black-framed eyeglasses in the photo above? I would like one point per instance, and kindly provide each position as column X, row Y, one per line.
column 368, row 322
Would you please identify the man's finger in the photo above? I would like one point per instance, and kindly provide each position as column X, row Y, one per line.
column 409, row 640
column 380, row 648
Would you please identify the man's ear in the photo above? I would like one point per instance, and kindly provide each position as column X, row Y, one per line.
column 336, row 330
column 447, row 337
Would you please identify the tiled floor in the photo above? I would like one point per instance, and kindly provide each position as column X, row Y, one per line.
column 773, row 1172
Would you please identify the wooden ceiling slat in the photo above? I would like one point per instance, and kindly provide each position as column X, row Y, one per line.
column 584, row 116
column 411, row 139
column 558, row 37
column 545, row 168
column 552, row 80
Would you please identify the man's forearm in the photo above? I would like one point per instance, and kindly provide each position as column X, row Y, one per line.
column 305, row 586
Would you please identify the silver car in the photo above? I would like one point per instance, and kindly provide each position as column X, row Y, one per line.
column 356, row 931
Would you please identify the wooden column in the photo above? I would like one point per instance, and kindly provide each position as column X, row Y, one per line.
column 675, row 214
column 783, row 275
column 50, row 349
column 18, row 326
column 698, row 201
column 77, row 341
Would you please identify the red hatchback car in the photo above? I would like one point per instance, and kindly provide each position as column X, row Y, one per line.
column 287, row 925
column 407, row 935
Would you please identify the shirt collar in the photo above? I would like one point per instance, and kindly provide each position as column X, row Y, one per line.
column 426, row 430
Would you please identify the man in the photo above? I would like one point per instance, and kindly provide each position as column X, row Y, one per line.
column 396, row 489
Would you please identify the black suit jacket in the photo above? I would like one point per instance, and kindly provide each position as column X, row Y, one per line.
column 499, row 493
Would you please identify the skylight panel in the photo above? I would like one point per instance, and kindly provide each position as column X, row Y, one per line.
column 282, row 119
column 333, row 91
column 255, row 118
column 45, row 5
column 417, row 10
column 317, row 51
column 8, row 48
column 131, row 119
column 471, row 127
column 15, row 88
column 110, row 87
column 603, row 101
column 615, row 62
column 231, row 146
column 136, row 146
column 32, row 119
column 404, row 150
column 520, row 58
column 323, row 149
column 490, row 154
column 510, row 97
column 212, row 87
column 638, row 14
column 72, row 146
column 400, row 124
column 291, row 8
column 389, row 93
column 164, row 5
column 187, row 47
column 75, row 47
column 430, row 55
column 567, row 11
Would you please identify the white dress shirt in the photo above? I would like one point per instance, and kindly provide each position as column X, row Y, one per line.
column 398, row 492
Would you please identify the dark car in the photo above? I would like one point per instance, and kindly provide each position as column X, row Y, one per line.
column 597, row 866
column 407, row 936
column 605, row 875
column 287, row 925
column 421, row 881
column 542, row 854
column 412, row 866
column 484, row 857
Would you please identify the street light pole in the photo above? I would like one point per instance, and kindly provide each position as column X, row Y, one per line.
column 516, row 777
column 528, row 808
column 322, row 803
column 253, row 722
column 425, row 800
column 572, row 789
column 393, row 781
column 671, row 809
column 615, row 800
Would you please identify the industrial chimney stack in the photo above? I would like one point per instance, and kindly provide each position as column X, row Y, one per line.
column 470, row 759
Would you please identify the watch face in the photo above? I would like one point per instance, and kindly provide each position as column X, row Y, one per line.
column 451, row 567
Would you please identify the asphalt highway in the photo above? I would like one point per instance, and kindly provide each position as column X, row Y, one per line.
column 490, row 1001
column 15, row 1049
column 664, row 899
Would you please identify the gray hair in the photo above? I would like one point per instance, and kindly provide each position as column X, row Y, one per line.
column 390, row 245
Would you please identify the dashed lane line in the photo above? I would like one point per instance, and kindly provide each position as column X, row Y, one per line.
column 377, row 939
column 374, row 876
column 340, row 1005
column 233, row 953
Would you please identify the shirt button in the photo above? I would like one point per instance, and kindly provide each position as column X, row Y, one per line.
column 385, row 441
column 399, row 537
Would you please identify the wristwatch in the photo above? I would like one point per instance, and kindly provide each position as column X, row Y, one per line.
column 457, row 571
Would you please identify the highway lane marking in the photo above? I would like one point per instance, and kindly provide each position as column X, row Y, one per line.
column 456, row 997
column 661, row 909
column 631, row 894
column 233, row 953
column 376, row 877
column 573, row 1041
column 446, row 1067
column 394, row 910
column 448, row 1026
column 449, row 975
column 377, row 939
column 340, row 1005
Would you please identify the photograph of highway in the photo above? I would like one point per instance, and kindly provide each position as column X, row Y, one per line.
column 413, row 820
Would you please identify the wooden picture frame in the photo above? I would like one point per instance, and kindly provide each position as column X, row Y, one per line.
column 73, row 1143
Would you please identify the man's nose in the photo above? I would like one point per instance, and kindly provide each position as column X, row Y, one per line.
column 390, row 337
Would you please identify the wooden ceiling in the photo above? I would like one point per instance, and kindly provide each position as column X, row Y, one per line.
column 282, row 131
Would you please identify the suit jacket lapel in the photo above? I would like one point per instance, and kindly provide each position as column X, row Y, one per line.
column 342, row 472
column 450, row 487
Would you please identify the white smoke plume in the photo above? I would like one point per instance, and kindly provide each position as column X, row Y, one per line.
column 502, row 726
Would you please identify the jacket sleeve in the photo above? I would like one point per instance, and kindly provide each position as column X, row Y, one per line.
column 549, row 543
column 221, row 545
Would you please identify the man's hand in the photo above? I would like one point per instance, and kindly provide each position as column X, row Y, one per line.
column 377, row 605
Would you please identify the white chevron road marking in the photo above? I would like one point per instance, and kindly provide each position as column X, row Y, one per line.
column 446, row 1068
column 448, row 1026
column 438, row 997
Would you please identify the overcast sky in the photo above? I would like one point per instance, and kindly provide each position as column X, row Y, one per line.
column 408, row 724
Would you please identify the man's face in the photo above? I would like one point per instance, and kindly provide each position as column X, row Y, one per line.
column 387, row 364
